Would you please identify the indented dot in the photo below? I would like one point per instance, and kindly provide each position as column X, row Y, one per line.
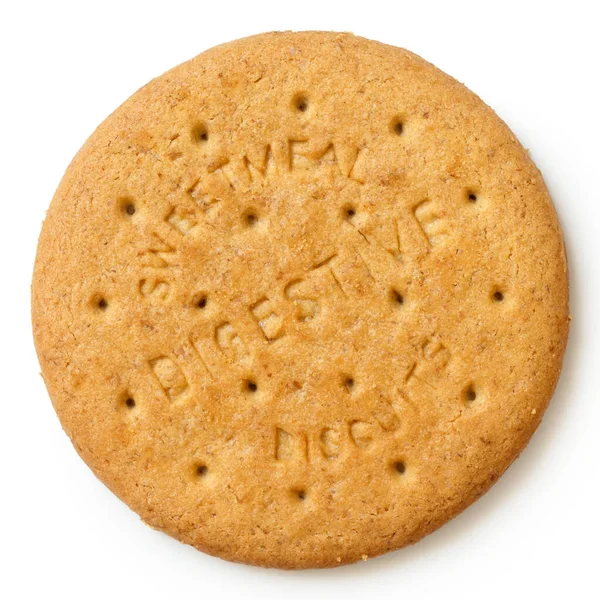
column 201, row 302
column 349, row 383
column 102, row 304
column 399, row 467
column 349, row 212
column 471, row 196
column 251, row 219
column 397, row 126
column 397, row 297
column 201, row 470
column 300, row 103
column 130, row 402
column 200, row 133
column 498, row 296
column 301, row 494
column 127, row 206
column 470, row 394
column 251, row 386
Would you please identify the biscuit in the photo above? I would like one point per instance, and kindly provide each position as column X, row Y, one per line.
column 300, row 300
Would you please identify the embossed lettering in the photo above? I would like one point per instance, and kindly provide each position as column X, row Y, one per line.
column 205, row 201
column 330, row 441
column 386, row 235
column 361, row 433
column 154, row 287
column 159, row 255
column 434, row 358
column 307, row 308
column 433, row 228
column 169, row 376
column 229, row 342
column 269, row 322
column 285, row 446
column 385, row 414
column 182, row 219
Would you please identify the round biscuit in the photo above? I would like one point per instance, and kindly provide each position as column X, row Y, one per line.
column 301, row 300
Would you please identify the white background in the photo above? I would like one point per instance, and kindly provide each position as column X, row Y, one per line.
column 66, row 67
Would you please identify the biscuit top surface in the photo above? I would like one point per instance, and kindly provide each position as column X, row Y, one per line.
column 301, row 299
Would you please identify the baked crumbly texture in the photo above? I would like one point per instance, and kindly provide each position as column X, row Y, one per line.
column 301, row 300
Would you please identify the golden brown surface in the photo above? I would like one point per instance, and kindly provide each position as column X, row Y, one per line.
column 301, row 299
